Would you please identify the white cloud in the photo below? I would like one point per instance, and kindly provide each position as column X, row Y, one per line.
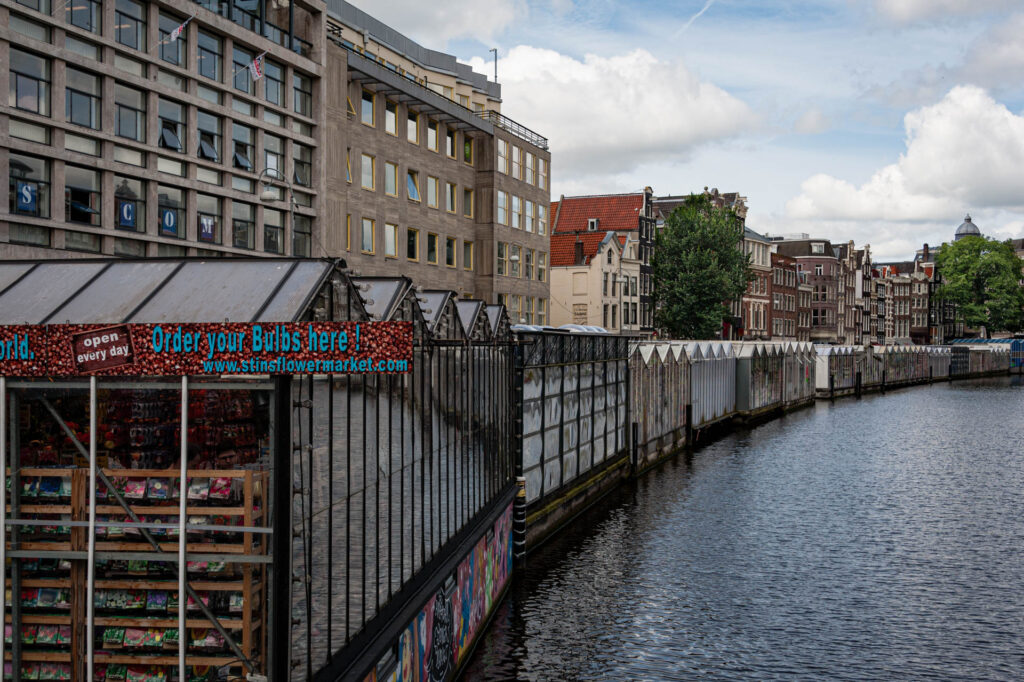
column 611, row 114
column 433, row 24
column 911, row 11
column 966, row 150
column 812, row 122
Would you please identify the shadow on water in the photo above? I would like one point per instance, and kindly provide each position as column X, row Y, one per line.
column 863, row 539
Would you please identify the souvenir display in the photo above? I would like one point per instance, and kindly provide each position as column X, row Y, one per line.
column 136, row 600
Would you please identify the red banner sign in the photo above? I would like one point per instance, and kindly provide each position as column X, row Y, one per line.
column 171, row 349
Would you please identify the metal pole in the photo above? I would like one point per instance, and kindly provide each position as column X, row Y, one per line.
column 182, row 536
column 90, row 567
column 495, row 51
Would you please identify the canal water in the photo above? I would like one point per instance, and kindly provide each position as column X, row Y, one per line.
column 870, row 539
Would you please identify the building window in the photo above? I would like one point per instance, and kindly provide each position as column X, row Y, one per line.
column 130, row 108
column 172, row 51
column 449, row 197
column 242, row 136
column 130, row 24
column 517, row 163
column 542, row 267
column 129, row 204
column 273, row 231
column 208, row 218
column 302, row 236
column 529, row 254
column 502, row 156
column 29, row 82
column 467, row 150
column 531, row 170
column 542, row 173
column 171, row 125
column 302, row 92
column 390, row 240
column 502, row 208
column 412, row 185
column 818, row 269
column 517, row 212
column 241, row 59
column 412, row 128
column 467, row 202
column 530, row 216
column 209, row 56
column 502, row 253
column 81, row 195
column 542, row 219
column 85, row 14
column 412, row 244
column 369, row 236
column 449, row 143
column 467, row 255
column 38, row 5
column 390, row 179
column 542, row 311
column 273, row 154
column 170, row 210
column 515, row 258
column 450, row 244
column 432, row 135
column 209, row 135
column 432, row 183
column 390, row 118
column 368, row 113
column 368, row 171
column 304, row 165
column 273, row 82
column 82, row 101
column 29, row 186
column 243, row 225
column 432, row 248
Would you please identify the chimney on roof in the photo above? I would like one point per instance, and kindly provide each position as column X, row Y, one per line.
column 578, row 254
column 925, row 254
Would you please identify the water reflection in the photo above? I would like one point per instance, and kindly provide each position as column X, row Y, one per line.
column 872, row 539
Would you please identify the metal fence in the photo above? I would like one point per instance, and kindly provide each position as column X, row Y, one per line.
column 388, row 469
column 574, row 406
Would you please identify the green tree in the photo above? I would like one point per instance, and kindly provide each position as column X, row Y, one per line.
column 698, row 267
column 982, row 276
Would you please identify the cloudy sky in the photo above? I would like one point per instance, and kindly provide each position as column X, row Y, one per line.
column 881, row 121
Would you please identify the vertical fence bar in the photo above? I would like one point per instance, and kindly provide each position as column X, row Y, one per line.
column 330, row 516
column 3, row 512
column 90, row 568
column 348, row 506
column 182, row 534
column 376, row 496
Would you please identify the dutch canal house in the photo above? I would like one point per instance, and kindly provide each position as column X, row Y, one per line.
column 308, row 129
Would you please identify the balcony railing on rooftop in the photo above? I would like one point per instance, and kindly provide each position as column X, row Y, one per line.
column 334, row 34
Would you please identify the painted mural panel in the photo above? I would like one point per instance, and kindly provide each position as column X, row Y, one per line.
column 431, row 648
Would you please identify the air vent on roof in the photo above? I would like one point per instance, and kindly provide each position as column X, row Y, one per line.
column 591, row 224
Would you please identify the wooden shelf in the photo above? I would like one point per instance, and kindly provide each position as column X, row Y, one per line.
column 42, row 656
column 144, row 622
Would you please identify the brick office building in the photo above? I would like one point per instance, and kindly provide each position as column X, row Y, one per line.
column 816, row 258
column 783, row 316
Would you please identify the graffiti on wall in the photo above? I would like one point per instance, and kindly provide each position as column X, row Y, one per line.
column 435, row 643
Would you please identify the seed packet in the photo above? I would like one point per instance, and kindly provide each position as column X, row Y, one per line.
column 47, row 597
column 49, row 487
column 199, row 489
column 135, row 489
column 48, row 671
column 99, row 599
column 137, row 673
column 156, row 600
column 63, row 599
column 64, row 634
column 118, row 566
column 172, row 601
column 29, row 486
column 47, row 634
column 8, row 629
column 63, row 671
column 113, row 637
column 29, row 598
column 100, row 673
column 116, row 673
column 8, row 668
column 29, row 634
column 154, row 638
column 197, row 567
column 136, row 600
column 235, row 603
column 138, row 566
column 204, row 597
column 170, row 638
column 115, row 531
column 159, row 489
column 29, row 671
column 116, row 599
column 65, row 487
column 133, row 637
column 213, row 567
column 65, row 565
column 220, row 489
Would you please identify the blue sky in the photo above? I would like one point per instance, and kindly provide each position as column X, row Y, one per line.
column 881, row 121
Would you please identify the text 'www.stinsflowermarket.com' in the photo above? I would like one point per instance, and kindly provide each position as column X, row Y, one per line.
column 283, row 365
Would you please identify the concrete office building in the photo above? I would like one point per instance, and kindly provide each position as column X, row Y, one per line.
column 121, row 138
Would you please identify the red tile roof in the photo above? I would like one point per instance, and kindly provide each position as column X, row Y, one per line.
column 613, row 212
column 563, row 247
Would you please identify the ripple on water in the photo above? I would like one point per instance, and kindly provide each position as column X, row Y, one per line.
column 871, row 539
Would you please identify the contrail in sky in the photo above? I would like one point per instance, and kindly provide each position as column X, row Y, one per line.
column 694, row 18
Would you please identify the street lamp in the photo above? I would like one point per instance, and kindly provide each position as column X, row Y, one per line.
column 269, row 195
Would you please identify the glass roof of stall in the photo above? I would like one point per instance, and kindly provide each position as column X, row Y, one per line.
column 159, row 290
